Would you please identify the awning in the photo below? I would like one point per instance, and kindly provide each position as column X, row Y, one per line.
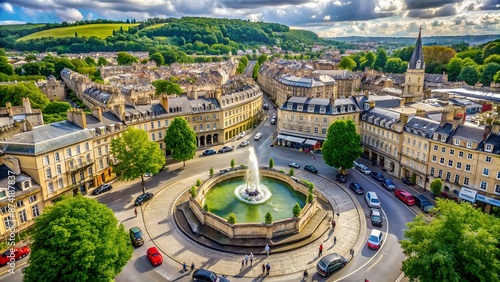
column 468, row 194
column 488, row 200
column 295, row 139
column 311, row 142
column 283, row 137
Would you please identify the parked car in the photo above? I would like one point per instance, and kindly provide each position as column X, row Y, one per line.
column 388, row 184
column 14, row 253
column 148, row 174
column 376, row 217
column 273, row 121
column 294, row 165
column 265, row 106
column 377, row 176
column 257, row 136
column 341, row 178
column 423, row 203
column 207, row 276
column 356, row 188
column 405, row 197
column 375, row 239
column 143, row 198
column 329, row 263
column 136, row 236
column 311, row 168
column 209, row 152
column 225, row 149
column 244, row 144
column 242, row 134
column 361, row 167
column 372, row 200
column 101, row 189
column 154, row 256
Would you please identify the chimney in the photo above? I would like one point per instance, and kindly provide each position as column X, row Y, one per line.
column 13, row 164
column 27, row 105
column 495, row 127
column 421, row 113
column 372, row 104
column 69, row 113
column 367, row 94
column 97, row 113
column 403, row 117
column 79, row 118
column 164, row 101
column 456, row 122
column 29, row 126
column 445, row 116
column 486, row 132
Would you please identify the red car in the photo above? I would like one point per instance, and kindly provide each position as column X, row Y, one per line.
column 14, row 254
column 154, row 256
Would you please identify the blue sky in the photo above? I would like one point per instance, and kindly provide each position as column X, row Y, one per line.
column 325, row 17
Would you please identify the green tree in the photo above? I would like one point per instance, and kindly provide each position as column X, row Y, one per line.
column 453, row 68
column 231, row 219
column 469, row 74
column 380, row 60
column 310, row 197
column 491, row 48
column 393, row 65
column 102, row 61
column 342, row 145
column 255, row 71
column 136, row 155
column 30, row 58
column 14, row 93
column 85, row 235
column 5, row 67
column 291, row 172
column 460, row 243
column 211, row 172
column 206, row 207
column 181, row 140
column 495, row 58
column 90, row 61
column 198, row 182
column 296, row 210
column 56, row 107
column 261, row 59
column 347, row 63
column 268, row 218
column 193, row 192
column 367, row 61
column 271, row 163
column 232, row 163
column 475, row 54
column 157, row 58
column 489, row 71
column 166, row 86
column 436, row 186
column 496, row 78
column 125, row 59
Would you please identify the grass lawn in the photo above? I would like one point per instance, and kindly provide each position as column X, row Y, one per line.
column 99, row 30
column 19, row 26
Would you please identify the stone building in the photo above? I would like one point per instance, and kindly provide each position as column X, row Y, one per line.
column 52, row 88
column 415, row 74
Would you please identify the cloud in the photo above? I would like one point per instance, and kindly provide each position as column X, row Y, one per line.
column 490, row 5
column 427, row 4
column 246, row 4
column 11, row 22
column 447, row 10
column 69, row 15
column 7, row 8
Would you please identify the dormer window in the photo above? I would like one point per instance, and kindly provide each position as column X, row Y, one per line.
column 370, row 119
column 418, row 64
column 469, row 144
column 488, row 148
column 349, row 108
column 443, row 138
column 366, row 106
column 300, row 108
column 334, row 110
column 363, row 117
column 322, row 109
column 289, row 106
column 310, row 108
column 457, row 142
column 436, row 136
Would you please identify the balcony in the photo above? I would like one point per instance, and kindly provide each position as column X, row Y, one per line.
column 74, row 165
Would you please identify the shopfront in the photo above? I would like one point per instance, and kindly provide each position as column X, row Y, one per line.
column 487, row 203
column 468, row 195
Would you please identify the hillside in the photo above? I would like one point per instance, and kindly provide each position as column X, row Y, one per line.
column 98, row 30
column 19, row 26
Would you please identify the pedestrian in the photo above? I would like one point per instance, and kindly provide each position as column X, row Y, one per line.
column 242, row 262
column 184, row 267
column 263, row 269
column 192, row 266
column 246, row 259
column 338, row 214
column 333, row 224
column 306, row 274
column 352, row 252
column 251, row 259
column 268, row 267
column 320, row 250
column 135, row 211
column 267, row 249
column 334, row 240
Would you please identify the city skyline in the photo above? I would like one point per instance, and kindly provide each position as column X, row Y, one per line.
column 328, row 18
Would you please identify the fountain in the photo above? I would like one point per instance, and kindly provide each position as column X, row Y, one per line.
column 252, row 192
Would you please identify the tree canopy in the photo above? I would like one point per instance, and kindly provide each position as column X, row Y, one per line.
column 347, row 63
column 5, row 67
column 380, row 60
column 469, row 74
column 166, row 86
column 14, row 93
column 136, row 155
column 460, row 243
column 124, row 58
column 157, row 58
column 181, row 140
column 342, row 145
column 77, row 239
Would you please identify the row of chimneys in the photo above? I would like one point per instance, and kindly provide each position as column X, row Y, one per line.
column 26, row 105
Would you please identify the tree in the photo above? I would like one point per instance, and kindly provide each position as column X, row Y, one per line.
column 232, row 163
column 310, row 197
column 231, row 219
column 193, row 192
column 166, row 86
column 291, row 172
column 102, row 61
column 394, row 65
column 269, row 218
column 56, row 107
column 136, row 155
column 90, row 61
column 367, row 61
column 181, row 140
column 157, row 58
column 453, row 68
column 342, row 145
column 261, row 59
column 5, row 67
column 30, row 58
column 211, row 172
column 125, row 59
column 380, row 60
column 459, row 244
column 495, row 58
column 469, row 74
column 347, row 63
column 436, row 186
column 475, row 54
column 271, row 163
column 85, row 235
column 496, row 77
column 489, row 71
column 14, row 93
column 296, row 210
column 206, row 207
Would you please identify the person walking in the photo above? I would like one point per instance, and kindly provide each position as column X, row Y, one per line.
column 251, row 259
column 334, row 240
column 192, row 266
column 184, row 267
column 267, row 249
column 268, row 267
column 246, row 259
column 320, row 250
column 242, row 262
column 333, row 225
column 306, row 275
column 135, row 211
column 263, row 269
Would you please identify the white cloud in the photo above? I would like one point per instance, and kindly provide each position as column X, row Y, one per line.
column 326, row 18
column 11, row 22
column 7, row 8
column 69, row 15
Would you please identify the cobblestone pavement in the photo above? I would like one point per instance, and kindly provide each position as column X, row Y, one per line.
column 166, row 235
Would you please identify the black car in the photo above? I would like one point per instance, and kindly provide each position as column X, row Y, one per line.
column 388, row 184
column 330, row 263
column 143, row 198
column 356, row 188
column 101, row 189
column 209, row 152
column 341, row 178
column 225, row 149
column 378, row 176
column 207, row 276
column 311, row 169
column 376, row 217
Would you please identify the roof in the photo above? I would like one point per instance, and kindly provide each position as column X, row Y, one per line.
column 321, row 105
column 417, row 58
column 421, row 126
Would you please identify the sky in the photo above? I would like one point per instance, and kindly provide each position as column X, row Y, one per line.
column 328, row 18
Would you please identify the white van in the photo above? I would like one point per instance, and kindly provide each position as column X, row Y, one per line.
column 257, row 136
column 372, row 200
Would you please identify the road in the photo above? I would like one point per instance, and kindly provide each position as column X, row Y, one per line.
column 382, row 265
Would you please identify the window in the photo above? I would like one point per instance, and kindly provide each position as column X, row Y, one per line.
column 195, row 128
column 20, row 203
column 448, row 176
column 201, row 127
column 469, row 144
column 289, row 106
column 435, row 147
column 208, row 126
column 301, row 117
column 459, row 165
column 425, row 147
column 48, row 171
column 35, row 211
column 56, row 156
column 153, row 137
column 82, row 175
column 152, row 125
column 214, row 126
column 457, row 142
column 166, row 123
column 73, row 179
column 77, row 149
column 101, row 166
column 488, row 159
column 90, row 171
column 440, row 173
column 488, row 147
column 486, row 171
column 160, row 135
column 89, row 159
column 434, row 158
column 457, row 179
column 466, row 180
column 323, row 131
column 58, row 169
column 87, row 148
column 22, row 216
column 32, row 198
column 467, row 167
column 484, row 185
column 443, row 150
column 461, row 154
column 441, row 160
column 498, row 175
column 450, row 163
column 50, row 188
column 68, row 152
column 469, row 156
column 46, row 160
column 452, row 152
column 60, row 183
column 8, row 221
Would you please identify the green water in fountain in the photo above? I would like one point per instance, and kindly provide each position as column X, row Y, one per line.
column 222, row 201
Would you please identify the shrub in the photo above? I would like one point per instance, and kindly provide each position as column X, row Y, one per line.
column 206, row 208
column 271, row 163
column 296, row 210
column 310, row 197
column 311, row 187
column 232, row 163
column 269, row 218
column 231, row 218
column 211, row 173
column 198, row 183
column 193, row 191
column 291, row 172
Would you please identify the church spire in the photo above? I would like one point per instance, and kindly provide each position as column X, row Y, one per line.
column 417, row 58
